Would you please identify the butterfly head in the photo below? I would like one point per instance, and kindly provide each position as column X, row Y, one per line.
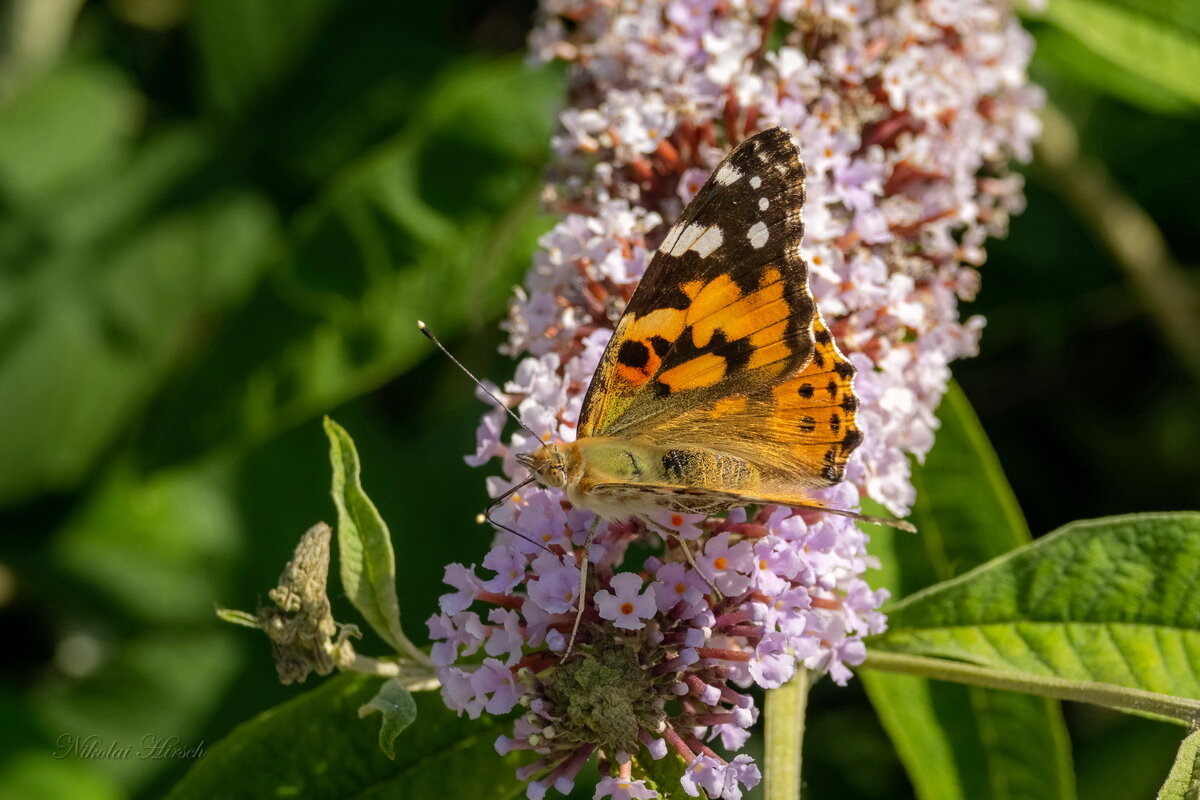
column 547, row 463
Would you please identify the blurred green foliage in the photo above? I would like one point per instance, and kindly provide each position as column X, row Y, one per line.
column 220, row 219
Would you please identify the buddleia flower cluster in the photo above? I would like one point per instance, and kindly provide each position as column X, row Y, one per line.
column 906, row 114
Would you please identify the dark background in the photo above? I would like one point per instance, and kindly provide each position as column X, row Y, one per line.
column 219, row 220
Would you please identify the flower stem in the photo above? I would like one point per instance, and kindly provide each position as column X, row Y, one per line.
column 1102, row 694
column 414, row 677
column 784, row 712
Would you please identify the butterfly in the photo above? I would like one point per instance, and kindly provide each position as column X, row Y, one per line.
column 721, row 386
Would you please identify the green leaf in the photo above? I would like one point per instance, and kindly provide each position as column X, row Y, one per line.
column 105, row 283
column 36, row 762
column 948, row 738
column 946, row 734
column 160, row 686
column 63, row 130
column 1060, row 53
column 246, row 49
column 140, row 541
column 109, row 324
column 1113, row 600
column 965, row 511
column 315, row 746
column 399, row 710
column 365, row 555
column 1183, row 782
column 437, row 224
column 1161, row 47
column 662, row 775
column 31, row 773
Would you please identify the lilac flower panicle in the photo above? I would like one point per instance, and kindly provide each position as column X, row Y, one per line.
column 905, row 115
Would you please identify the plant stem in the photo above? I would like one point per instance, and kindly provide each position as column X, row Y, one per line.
column 1102, row 694
column 415, row 677
column 784, row 712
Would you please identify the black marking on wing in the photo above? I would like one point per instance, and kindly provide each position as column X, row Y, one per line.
column 634, row 354
column 732, row 207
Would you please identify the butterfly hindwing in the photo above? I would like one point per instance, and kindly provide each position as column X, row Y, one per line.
column 795, row 435
column 724, row 305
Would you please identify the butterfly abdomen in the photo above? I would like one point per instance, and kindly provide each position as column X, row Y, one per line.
column 617, row 478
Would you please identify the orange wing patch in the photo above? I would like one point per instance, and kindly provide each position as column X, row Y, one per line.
column 721, row 306
column 700, row 372
column 646, row 340
column 723, row 330
column 798, row 433
column 815, row 411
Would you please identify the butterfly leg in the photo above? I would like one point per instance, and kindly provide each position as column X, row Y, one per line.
column 583, row 571
column 486, row 516
column 687, row 553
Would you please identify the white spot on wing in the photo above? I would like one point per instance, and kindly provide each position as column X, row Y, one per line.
column 681, row 238
column 727, row 175
column 758, row 234
column 755, row 182
column 710, row 240
column 763, row 203
column 693, row 237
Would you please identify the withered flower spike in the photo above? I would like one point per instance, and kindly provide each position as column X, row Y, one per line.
column 300, row 624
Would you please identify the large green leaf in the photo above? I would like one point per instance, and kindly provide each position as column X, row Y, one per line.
column 35, row 762
column 436, row 224
column 298, row 89
column 158, row 685
column 160, row 547
column 91, row 333
column 1113, row 600
column 947, row 734
column 316, row 746
column 64, row 130
column 1184, row 781
column 1059, row 53
column 1159, row 43
column 103, row 286
column 246, row 49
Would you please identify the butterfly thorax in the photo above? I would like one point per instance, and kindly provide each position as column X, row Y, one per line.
column 618, row 478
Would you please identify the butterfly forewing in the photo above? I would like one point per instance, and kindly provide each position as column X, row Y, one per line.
column 724, row 306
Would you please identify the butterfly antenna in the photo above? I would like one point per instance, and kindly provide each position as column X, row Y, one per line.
column 423, row 328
